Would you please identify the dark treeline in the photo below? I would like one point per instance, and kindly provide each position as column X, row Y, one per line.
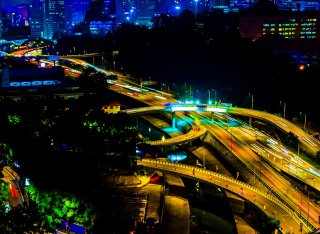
column 207, row 52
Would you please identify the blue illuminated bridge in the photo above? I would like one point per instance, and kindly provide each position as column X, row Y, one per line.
column 266, row 202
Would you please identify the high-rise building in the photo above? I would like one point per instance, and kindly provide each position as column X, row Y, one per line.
column 54, row 23
column 75, row 12
column 37, row 18
column 1, row 26
column 36, row 23
column 305, row 5
column 145, row 11
column 125, row 11
column 101, row 16
column 22, row 15
column 289, row 26
column 23, row 2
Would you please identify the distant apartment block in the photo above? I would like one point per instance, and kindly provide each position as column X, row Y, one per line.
column 293, row 26
column 293, row 34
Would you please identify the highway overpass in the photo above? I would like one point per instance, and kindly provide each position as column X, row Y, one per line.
column 269, row 204
column 311, row 144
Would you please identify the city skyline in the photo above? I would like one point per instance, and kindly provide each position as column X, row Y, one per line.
column 52, row 18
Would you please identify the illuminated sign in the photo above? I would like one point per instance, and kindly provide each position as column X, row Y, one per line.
column 184, row 108
column 215, row 109
column 35, row 83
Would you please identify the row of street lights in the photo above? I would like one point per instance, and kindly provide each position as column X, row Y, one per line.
column 215, row 96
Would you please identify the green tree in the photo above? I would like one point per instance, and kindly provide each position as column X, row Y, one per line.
column 56, row 206
column 274, row 223
column 318, row 156
column 291, row 140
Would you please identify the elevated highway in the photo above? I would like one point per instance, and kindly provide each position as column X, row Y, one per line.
column 290, row 218
column 311, row 144
column 269, row 204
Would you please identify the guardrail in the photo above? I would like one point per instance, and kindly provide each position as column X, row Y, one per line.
column 16, row 179
column 189, row 171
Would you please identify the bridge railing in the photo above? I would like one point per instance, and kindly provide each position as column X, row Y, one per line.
column 191, row 169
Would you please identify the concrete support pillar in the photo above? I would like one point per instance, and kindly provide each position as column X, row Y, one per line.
column 137, row 122
column 173, row 119
column 173, row 147
column 250, row 120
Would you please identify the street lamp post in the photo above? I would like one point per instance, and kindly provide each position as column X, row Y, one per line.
column 251, row 101
column 298, row 146
column 282, row 104
column 215, row 95
column 305, row 121
column 250, row 118
column 308, row 209
column 204, row 159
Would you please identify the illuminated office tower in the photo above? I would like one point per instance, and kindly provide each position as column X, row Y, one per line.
column 298, row 5
column 54, row 23
column 220, row 4
column 198, row 6
column 101, row 16
column 236, row 5
column 288, row 26
column 305, row 5
column 36, row 23
column 22, row 15
column 37, row 18
column 171, row 7
column 284, row 5
column 125, row 11
column 23, row 2
column 145, row 11
column 75, row 12
column 1, row 25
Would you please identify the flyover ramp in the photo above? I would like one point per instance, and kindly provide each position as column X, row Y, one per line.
column 269, row 204
column 307, row 140
column 176, row 206
column 196, row 132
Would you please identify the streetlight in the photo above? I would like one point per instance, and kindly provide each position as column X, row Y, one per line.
column 298, row 146
column 209, row 96
column 284, row 108
column 250, row 118
column 204, row 159
column 215, row 95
